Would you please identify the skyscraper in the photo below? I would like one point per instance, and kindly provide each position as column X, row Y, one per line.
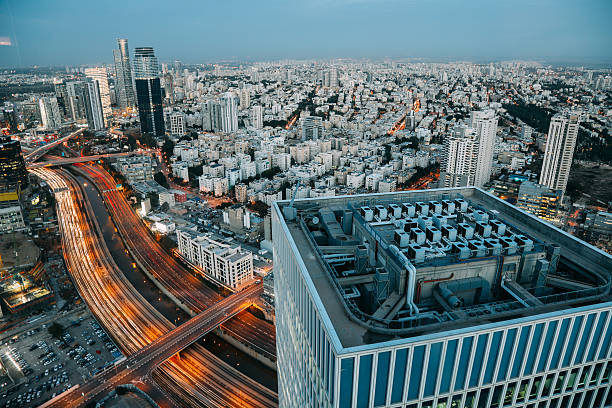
column 148, row 91
column 49, row 112
column 312, row 128
column 257, row 117
column 123, row 73
column 229, row 113
column 485, row 125
column 12, row 166
column 93, row 105
column 100, row 75
column 560, row 145
column 458, row 161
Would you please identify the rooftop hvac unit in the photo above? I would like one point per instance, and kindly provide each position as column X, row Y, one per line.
column 401, row 238
column 509, row 245
column 465, row 230
column 449, row 232
column 524, row 242
column 439, row 220
column 483, row 229
column 409, row 209
column 417, row 236
column 410, row 224
column 381, row 212
column 394, row 210
column 433, row 234
column 435, row 207
column 416, row 253
column 461, row 205
column 424, row 222
column 367, row 213
column 494, row 246
column 422, row 208
column 461, row 250
column 478, row 248
column 498, row 227
column 448, row 206
column 480, row 216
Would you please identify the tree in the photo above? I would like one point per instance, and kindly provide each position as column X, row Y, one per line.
column 165, row 207
column 56, row 330
column 161, row 179
column 167, row 149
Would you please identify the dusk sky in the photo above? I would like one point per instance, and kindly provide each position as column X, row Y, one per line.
column 67, row 32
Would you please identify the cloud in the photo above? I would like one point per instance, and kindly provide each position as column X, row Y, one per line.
column 5, row 41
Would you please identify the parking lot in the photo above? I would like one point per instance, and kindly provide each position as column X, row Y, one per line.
column 37, row 365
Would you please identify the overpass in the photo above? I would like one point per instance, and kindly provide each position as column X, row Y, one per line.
column 140, row 364
column 61, row 161
column 42, row 150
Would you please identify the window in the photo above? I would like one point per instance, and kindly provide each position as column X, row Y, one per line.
column 559, row 383
column 606, row 374
column 533, row 350
column 507, row 354
column 483, row 399
column 456, row 402
column 382, row 377
column 466, row 347
column 449, row 362
column 605, row 343
column 595, row 375
column 520, row 351
column 583, row 377
column 497, row 393
column 346, row 382
column 522, row 391
column 435, row 354
column 509, row 394
column 478, row 358
column 492, row 359
column 571, row 341
column 596, row 336
column 586, row 334
column 556, row 355
column 397, row 390
column 470, row 399
column 547, row 345
column 547, row 385
column 416, row 372
column 571, row 380
column 363, row 382
column 535, row 387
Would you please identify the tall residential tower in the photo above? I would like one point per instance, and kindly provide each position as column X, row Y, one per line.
column 560, row 145
column 124, row 86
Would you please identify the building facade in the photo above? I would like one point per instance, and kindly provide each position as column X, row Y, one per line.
column 229, row 113
column 397, row 327
column 12, row 166
column 148, row 91
column 124, row 86
column 50, row 113
column 560, row 145
column 100, row 75
column 541, row 201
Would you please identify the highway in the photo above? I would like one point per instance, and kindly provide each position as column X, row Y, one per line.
column 42, row 150
column 141, row 363
column 183, row 284
column 71, row 160
column 198, row 378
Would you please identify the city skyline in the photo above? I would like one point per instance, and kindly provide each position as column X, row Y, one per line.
column 478, row 31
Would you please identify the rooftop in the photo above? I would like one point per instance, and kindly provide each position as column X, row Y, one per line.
column 405, row 264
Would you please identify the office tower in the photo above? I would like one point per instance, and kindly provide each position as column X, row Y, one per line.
column 10, row 117
column 169, row 87
column 498, row 315
column 12, row 166
column 458, row 161
column 75, row 103
column 101, row 77
column 229, row 113
column 257, row 117
column 560, row 145
column 50, row 113
column 205, row 111
column 148, row 91
column 541, row 201
column 245, row 98
column 485, row 125
column 216, row 116
column 124, row 86
column 312, row 128
column 177, row 124
column 62, row 98
column 410, row 120
column 93, row 105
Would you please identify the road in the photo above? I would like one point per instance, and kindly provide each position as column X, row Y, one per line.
column 198, row 378
column 186, row 287
column 42, row 150
column 71, row 160
column 141, row 363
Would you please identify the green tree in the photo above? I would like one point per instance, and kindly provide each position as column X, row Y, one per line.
column 161, row 179
column 56, row 330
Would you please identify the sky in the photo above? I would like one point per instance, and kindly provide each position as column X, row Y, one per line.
column 75, row 32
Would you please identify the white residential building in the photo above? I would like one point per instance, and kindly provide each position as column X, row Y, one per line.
column 560, row 145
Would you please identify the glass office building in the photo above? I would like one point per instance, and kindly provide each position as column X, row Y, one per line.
column 148, row 91
column 437, row 298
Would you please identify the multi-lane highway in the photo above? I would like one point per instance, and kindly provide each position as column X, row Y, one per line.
column 42, row 150
column 191, row 293
column 198, row 378
column 56, row 161
column 141, row 363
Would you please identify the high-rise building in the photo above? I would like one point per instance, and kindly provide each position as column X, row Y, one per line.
column 62, row 98
column 229, row 113
column 124, row 86
column 505, row 311
column 257, row 117
column 245, row 98
column 50, row 113
column 93, row 105
column 100, row 75
column 177, row 124
column 10, row 117
column 312, row 128
column 541, row 201
column 560, row 145
column 458, row 161
column 75, row 100
column 12, row 166
column 485, row 125
column 148, row 91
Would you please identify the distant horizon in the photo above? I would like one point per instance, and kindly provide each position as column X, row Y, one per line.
column 73, row 32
